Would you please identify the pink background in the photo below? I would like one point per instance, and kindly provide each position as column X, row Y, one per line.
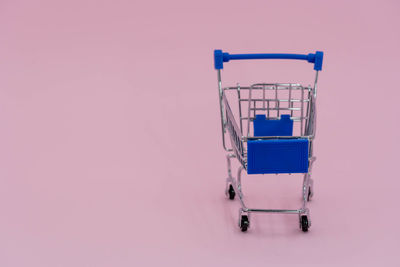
column 110, row 147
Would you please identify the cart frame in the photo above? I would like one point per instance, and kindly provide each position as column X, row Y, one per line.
column 241, row 134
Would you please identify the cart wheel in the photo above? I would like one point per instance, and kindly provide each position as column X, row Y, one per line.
column 231, row 192
column 244, row 223
column 304, row 223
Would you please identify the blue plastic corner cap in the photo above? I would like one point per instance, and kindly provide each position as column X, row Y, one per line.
column 219, row 59
column 319, row 57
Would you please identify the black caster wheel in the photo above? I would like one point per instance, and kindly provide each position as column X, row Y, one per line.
column 304, row 223
column 231, row 192
column 244, row 223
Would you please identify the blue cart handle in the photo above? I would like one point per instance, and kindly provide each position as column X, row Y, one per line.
column 221, row 57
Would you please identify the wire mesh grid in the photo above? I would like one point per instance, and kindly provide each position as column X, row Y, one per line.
column 272, row 100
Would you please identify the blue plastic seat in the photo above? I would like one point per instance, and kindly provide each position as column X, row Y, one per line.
column 276, row 155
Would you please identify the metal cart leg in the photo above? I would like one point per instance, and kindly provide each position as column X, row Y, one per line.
column 308, row 183
column 308, row 192
column 304, row 214
column 229, row 188
column 244, row 213
column 308, row 188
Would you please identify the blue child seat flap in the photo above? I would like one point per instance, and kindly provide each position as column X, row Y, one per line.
column 264, row 127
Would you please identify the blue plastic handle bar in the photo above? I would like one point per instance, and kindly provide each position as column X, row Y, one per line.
column 221, row 57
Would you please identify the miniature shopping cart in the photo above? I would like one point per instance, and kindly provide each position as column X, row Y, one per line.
column 271, row 132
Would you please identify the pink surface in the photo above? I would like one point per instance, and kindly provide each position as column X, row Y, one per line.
column 110, row 137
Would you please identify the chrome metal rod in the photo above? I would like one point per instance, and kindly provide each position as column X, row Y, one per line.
column 276, row 211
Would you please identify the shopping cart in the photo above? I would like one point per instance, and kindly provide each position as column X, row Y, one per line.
column 273, row 131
